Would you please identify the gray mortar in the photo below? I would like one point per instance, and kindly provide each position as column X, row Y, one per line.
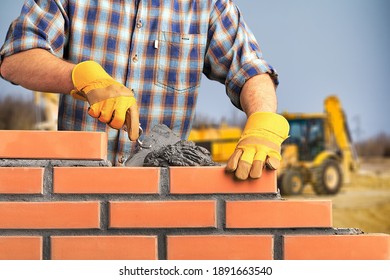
column 278, row 247
column 164, row 182
column 159, row 136
column 54, row 163
column 163, row 148
column 162, row 245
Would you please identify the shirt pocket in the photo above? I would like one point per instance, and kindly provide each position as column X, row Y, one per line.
column 180, row 60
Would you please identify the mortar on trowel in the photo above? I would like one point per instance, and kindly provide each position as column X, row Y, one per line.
column 162, row 148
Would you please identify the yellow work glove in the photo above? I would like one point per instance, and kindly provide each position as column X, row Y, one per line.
column 110, row 101
column 260, row 144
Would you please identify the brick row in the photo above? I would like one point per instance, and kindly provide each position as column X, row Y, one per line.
column 21, row 180
column 114, row 180
column 166, row 214
column 199, row 247
column 25, row 144
column 239, row 214
column 138, row 180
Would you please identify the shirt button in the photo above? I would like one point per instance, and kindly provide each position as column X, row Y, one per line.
column 135, row 58
column 139, row 24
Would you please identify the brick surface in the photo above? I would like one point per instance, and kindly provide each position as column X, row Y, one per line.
column 46, row 215
column 104, row 248
column 20, row 248
column 337, row 247
column 206, row 180
column 53, row 144
column 220, row 247
column 20, row 180
column 163, row 214
column 278, row 214
column 106, row 180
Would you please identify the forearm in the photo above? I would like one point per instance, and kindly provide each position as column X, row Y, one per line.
column 258, row 95
column 38, row 70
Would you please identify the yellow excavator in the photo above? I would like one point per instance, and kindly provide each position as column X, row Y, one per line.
column 319, row 150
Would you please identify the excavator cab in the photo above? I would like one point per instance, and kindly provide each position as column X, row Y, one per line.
column 308, row 135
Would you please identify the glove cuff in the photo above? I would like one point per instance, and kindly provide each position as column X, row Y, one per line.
column 89, row 75
column 268, row 123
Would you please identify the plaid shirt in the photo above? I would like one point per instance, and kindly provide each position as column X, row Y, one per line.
column 159, row 48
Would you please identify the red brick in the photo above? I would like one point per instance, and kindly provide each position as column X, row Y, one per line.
column 278, row 214
column 104, row 248
column 47, row 215
column 106, row 180
column 163, row 214
column 206, row 180
column 53, row 144
column 337, row 247
column 220, row 247
column 21, row 180
column 20, row 248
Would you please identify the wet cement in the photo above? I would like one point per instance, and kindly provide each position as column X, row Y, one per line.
column 163, row 148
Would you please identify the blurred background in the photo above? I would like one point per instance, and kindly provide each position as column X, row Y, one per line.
column 320, row 49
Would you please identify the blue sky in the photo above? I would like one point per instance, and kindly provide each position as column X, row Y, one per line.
column 319, row 47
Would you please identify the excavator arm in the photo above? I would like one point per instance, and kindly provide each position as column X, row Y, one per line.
column 338, row 124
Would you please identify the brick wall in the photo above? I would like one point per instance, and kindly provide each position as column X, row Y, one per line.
column 61, row 199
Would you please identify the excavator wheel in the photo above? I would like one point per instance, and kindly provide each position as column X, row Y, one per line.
column 327, row 178
column 291, row 182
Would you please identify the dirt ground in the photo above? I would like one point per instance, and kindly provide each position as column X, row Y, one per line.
column 365, row 202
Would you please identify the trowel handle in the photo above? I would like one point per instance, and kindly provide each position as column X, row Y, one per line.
column 140, row 143
column 132, row 123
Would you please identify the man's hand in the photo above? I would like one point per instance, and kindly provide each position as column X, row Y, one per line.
column 110, row 101
column 260, row 144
